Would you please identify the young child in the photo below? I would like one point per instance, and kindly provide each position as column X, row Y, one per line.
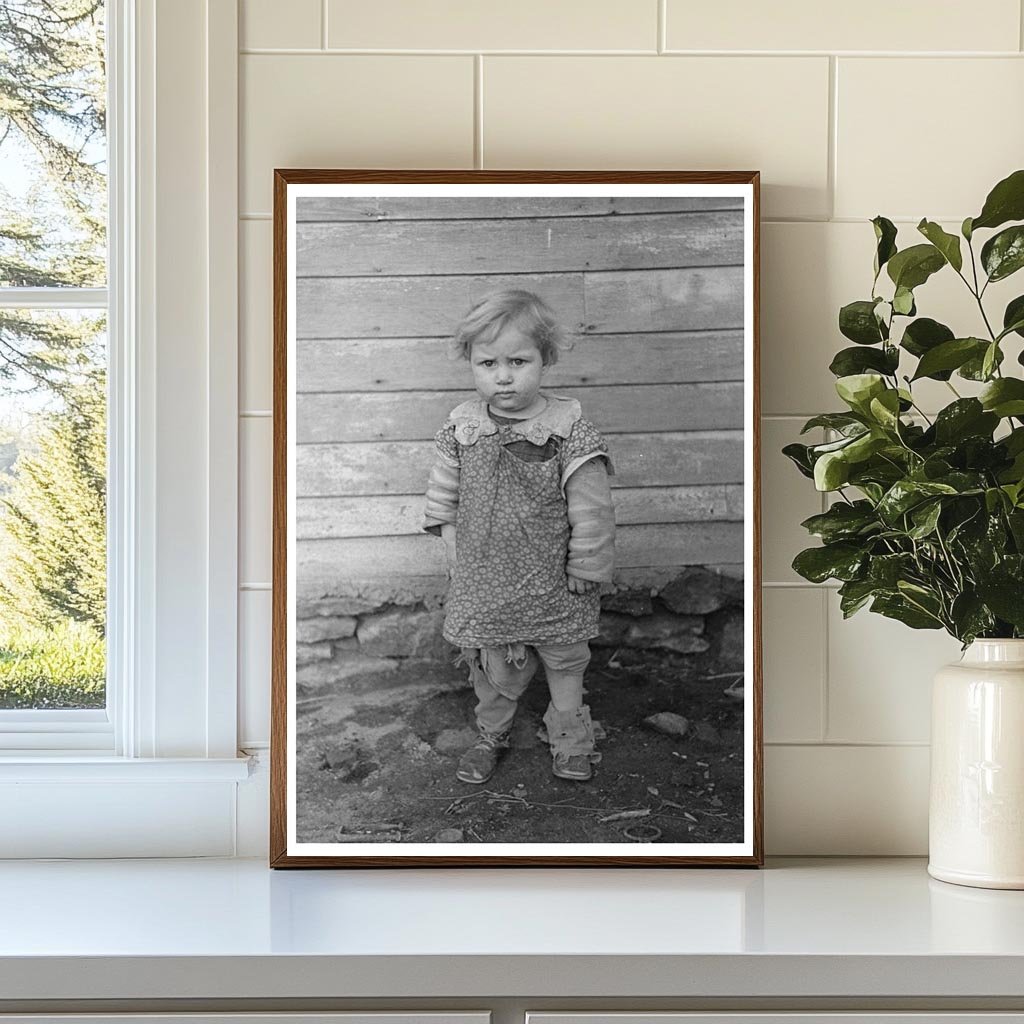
column 519, row 493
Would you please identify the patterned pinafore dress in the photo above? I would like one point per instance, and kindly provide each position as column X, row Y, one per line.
column 512, row 528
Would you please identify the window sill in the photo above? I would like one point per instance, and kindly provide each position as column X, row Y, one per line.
column 76, row 766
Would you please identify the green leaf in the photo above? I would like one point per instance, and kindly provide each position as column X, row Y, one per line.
column 841, row 421
column 799, row 455
column 831, row 471
column 849, row 361
column 840, row 561
column 947, row 244
column 857, row 321
column 950, row 355
column 925, row 518
column 1005, row 202
column 974, row 368
column 1015, row 519
column 970, row 617
column 858, row 389
column 994, row 498
column 897, row 607
column 1003, row 254
column 885, row 236
column 842, row 521
column 864, row 446
column 906, row 494
column 903, row 302
column 1013, row 318
column 886, row 571
column 912, row 267
column 854, row 594
column 923, row 335
column 1004, row 397
column 966, row 417
column 885, row 409
column 1005, row 596
column 965, row 228
column 991, row 360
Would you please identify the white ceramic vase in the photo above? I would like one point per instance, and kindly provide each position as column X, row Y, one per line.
column 976, row 813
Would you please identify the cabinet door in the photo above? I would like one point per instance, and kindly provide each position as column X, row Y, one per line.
column 359, row 1017
column 786, row 1017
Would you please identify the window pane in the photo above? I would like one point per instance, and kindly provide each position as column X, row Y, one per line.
column 52, row 508
column 53, row 150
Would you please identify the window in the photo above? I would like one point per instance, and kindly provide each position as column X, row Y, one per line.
column 155, row 771
column 53, row 371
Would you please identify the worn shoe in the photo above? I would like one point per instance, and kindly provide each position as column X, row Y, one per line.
column 478, row 763
column 573, row 766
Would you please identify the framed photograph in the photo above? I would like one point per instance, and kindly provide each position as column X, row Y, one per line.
column 516, row 586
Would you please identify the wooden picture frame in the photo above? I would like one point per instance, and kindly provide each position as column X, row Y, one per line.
column 656, row 277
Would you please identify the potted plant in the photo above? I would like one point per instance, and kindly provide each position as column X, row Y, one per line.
column 927, row 521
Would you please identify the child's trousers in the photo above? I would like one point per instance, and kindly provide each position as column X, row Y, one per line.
column 500, row 676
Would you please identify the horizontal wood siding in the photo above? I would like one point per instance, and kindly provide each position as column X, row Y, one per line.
column 635, row 547
column 650, row 293
column 519, row 246
column 401, row 467
column 652, row 407
column 391, row 515
column 418, row 364
column 372, row 208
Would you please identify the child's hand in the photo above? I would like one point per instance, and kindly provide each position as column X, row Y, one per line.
column 578, row 586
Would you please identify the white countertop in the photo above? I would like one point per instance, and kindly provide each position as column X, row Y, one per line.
column 234, row 928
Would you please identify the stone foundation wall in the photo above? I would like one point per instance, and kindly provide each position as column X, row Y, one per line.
column 346, row 641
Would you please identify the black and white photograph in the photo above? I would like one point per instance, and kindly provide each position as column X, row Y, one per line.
column 516, row 560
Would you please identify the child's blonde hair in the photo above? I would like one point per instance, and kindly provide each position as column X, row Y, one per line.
column 512, row 306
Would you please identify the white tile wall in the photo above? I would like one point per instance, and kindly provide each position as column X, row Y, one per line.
column 331, row 110
column 874, row 25
column 256, row 307
column 255, row 506
column 261, row 25
column 793, row 627
column 253, row 668
column 471, row 25
column 698, row 113
column 971, row 110
column 838, row 138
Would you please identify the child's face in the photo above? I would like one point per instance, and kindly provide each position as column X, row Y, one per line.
column 507, row 372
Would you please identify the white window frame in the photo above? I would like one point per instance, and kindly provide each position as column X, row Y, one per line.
column 171, row 719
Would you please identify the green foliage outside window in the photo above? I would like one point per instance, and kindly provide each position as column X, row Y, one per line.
column 52, row 364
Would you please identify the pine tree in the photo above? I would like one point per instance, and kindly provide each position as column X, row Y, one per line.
column 53, row 519
column 53, row 122
column 53, row 117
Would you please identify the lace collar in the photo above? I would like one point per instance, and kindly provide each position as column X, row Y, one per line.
column 471, row 421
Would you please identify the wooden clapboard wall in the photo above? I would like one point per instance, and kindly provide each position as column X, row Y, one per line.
column 653, row 289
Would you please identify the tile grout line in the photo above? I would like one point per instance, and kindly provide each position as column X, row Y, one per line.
column 662, row 41
column 826, row 692
column 824, row 714
column 768, row 55
column 1020, row 25
column 478, row 111
column 854, row 744
column 831, row 170
column 323, row 24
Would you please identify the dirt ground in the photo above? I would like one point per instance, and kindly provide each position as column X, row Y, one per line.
column 377, row 763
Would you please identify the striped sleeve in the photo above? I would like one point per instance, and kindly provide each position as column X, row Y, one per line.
column 591, row 523
column 442, row 499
